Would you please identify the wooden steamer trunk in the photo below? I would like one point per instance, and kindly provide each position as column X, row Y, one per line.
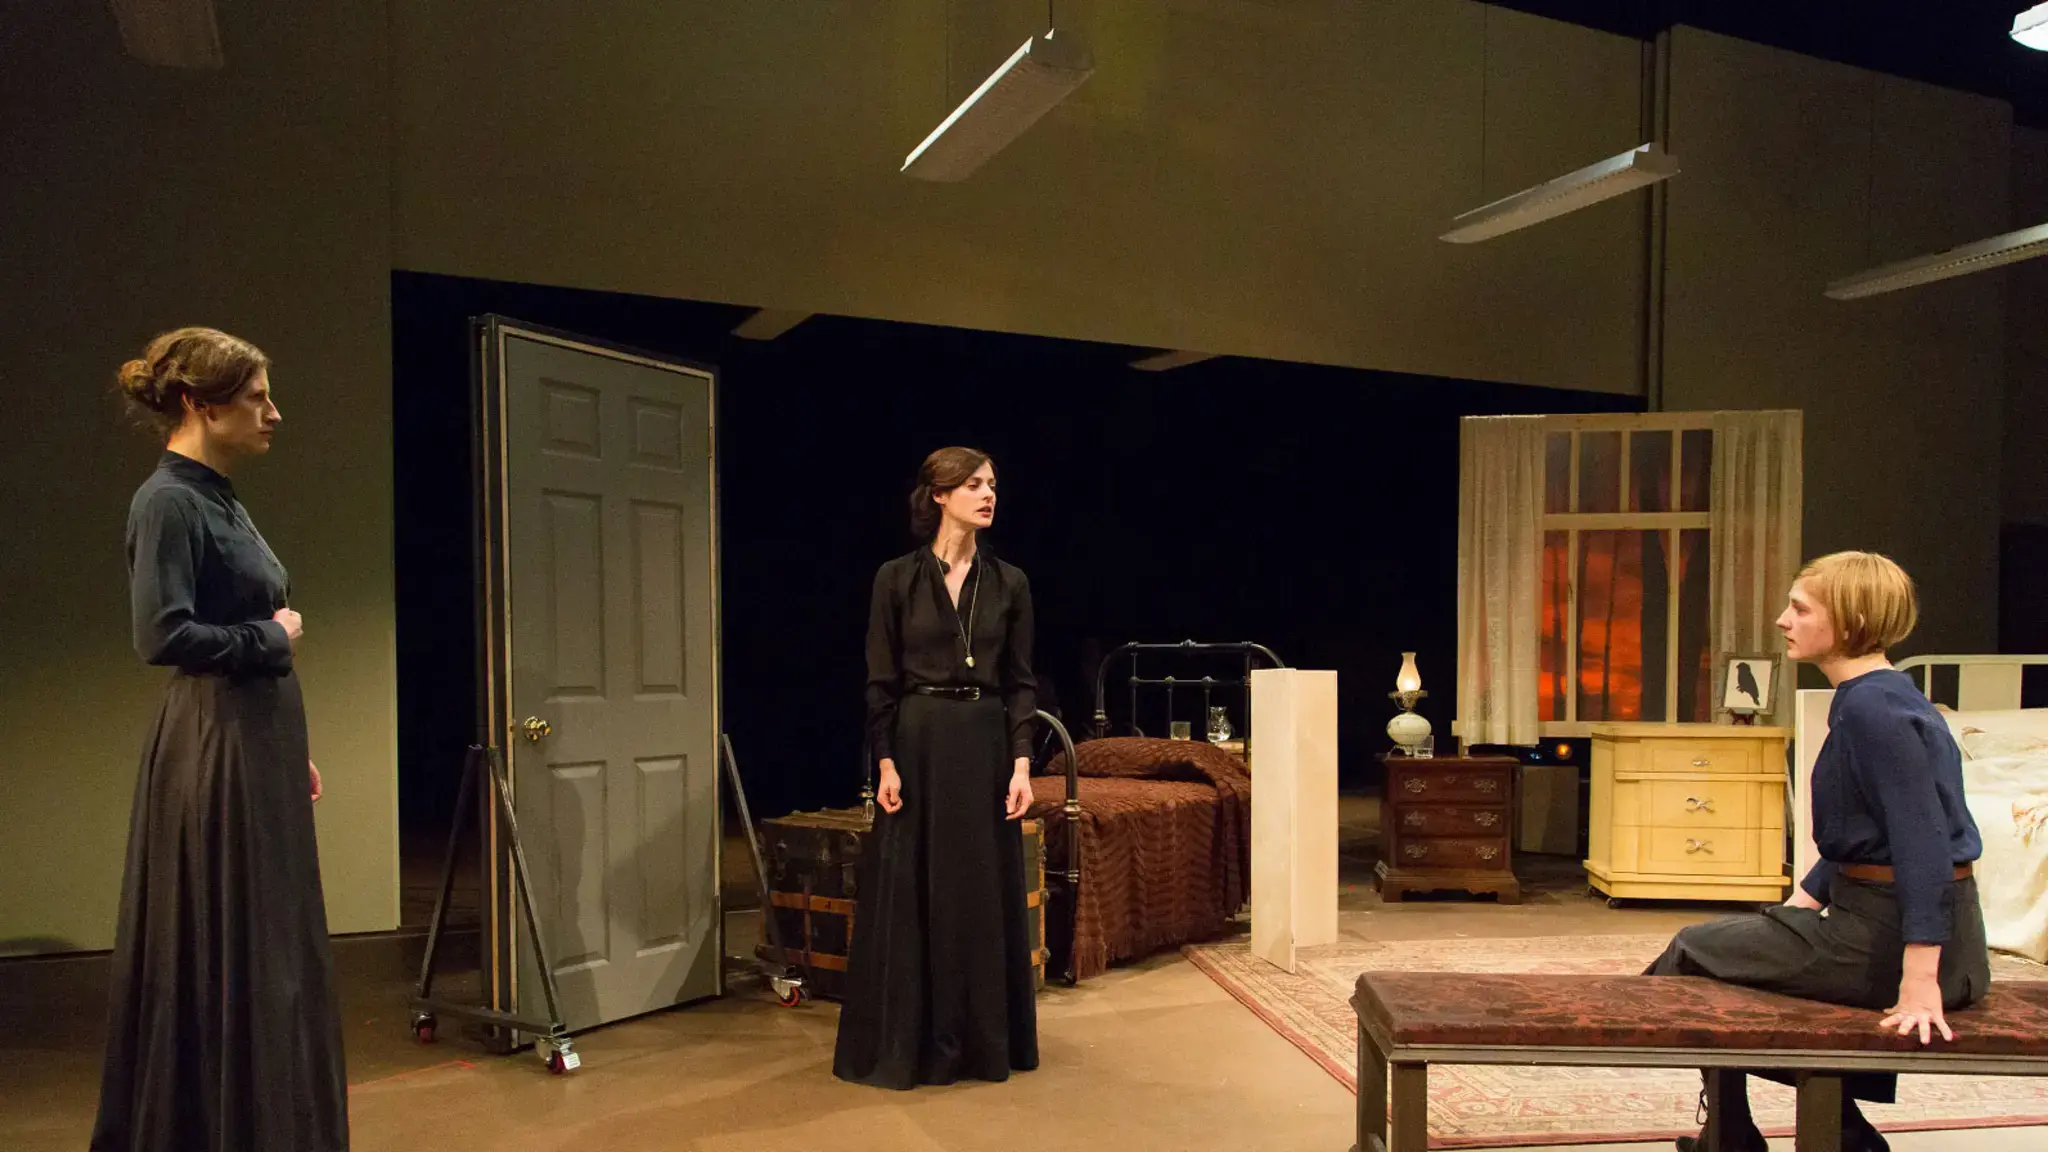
column 814, row 883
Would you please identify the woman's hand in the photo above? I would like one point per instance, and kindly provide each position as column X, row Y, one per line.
column 294, row 625
column 1019, row 799
column 315, row 773
column 890, row 792
column 1802, row 899
column 1919, row 1003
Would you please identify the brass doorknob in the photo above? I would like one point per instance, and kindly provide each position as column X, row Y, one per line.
column 534, row 728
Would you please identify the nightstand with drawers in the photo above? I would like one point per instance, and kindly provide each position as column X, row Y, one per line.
column 1446, row 825
column 1688, row 812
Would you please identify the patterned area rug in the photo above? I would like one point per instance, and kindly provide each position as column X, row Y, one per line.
column 1487, row 1106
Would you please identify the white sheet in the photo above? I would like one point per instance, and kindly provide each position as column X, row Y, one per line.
column 2008, row 797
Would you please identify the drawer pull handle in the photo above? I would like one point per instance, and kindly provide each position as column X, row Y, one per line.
column 1414, row 820
column 1487, row 820
column 1488, row 852
column 1701, row 762
column 1695, row 804
column 1415, row 851
column 1416, row 785
column 1706, row 846
column 1487, row 785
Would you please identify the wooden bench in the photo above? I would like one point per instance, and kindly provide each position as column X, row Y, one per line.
column 1410, row 1020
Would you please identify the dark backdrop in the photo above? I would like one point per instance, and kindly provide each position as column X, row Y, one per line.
column 1310, row 509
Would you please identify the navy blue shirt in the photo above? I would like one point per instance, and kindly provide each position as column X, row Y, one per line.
column 1888, row 789
column 202, row 584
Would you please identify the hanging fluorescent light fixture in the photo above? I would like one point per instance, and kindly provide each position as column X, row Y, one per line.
column 170, row 33
column 768, row 323
column 2031, row 27
column 2010, row 248
column 1636, row 168
column 1169, row 360
column 1036, row 77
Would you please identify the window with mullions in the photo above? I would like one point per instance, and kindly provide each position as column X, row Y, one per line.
column 1627, row 545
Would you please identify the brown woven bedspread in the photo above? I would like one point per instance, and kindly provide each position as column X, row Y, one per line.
column 1166, row 830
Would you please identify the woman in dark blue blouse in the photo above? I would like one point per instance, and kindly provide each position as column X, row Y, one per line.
column 1888, row 919
column 222, row 1031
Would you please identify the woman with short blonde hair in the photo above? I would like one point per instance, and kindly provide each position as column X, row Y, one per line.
column 1896, row 842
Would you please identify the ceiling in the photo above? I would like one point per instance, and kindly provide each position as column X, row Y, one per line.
column 1963, row 44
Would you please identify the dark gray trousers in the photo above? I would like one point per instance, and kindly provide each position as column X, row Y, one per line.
column 1849, row 954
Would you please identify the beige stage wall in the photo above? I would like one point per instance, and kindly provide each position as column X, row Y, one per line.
column 256, row 199
column 2026, row 410
column 1252, row 178
column 1259, row 179
column 1799, row 171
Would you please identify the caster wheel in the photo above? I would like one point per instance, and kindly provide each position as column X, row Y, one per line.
column 561, row 1061
column 423, row 1026
column 1614, row 902
column 792, row 998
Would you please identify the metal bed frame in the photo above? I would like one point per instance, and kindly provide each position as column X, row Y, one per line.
column 1069, row 879
column 1207, row 685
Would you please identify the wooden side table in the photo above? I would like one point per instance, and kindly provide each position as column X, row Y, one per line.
column 1446, row 825
column 1688, row 812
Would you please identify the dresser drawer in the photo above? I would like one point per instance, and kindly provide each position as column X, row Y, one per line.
column 1699, row 804
column 1436, row 820
column 1408, row 784
column 1703, row 756
column 1699, row 851
column 1470, row 853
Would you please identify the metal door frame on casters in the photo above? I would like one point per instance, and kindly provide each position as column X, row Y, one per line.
column 558, row 1049
column 495, row 717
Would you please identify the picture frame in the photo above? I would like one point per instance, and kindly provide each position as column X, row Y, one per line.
column 1749, row 684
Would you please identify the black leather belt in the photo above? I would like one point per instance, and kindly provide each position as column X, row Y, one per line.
column 944, row 692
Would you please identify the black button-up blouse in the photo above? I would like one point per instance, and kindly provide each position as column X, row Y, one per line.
column 917, row 637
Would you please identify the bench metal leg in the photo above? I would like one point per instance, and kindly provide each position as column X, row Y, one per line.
column 1372, row 1096
column 1409, row 1116
column 1727, row 1095
column 1820, row 1113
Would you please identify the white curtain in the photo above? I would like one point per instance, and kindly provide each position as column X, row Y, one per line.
column 1500, row 552
column 1757, row 503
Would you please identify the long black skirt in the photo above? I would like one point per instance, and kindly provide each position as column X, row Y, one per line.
column 223, row 1033
column 938, row 985
column 1853, row 954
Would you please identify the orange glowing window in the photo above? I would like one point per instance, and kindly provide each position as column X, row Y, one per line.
column 1626, row 592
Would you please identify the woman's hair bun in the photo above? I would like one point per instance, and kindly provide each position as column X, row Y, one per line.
column 138, row 383
column 203, row 365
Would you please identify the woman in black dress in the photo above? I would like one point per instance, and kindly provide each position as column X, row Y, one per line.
column 938, row 986
column 1888, row 918
column 222, row 1031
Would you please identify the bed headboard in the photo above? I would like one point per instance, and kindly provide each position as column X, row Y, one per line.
column 1985, row 683
column 1188, row 656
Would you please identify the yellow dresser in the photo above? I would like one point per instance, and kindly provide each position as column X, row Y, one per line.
column 1688, row 812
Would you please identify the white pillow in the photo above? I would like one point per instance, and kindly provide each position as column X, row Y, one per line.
column 1979, row 744
column 2026, row 722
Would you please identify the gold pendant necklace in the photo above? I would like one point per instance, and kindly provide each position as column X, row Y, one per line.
column 966, row 629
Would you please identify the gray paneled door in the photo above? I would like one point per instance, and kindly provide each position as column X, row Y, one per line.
column 603, row 667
